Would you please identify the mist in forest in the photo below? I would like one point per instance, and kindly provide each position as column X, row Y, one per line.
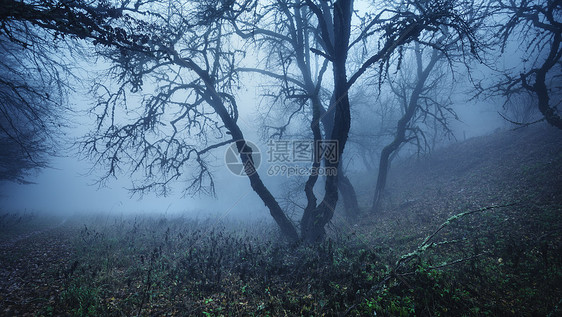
column 67, row 185
column 280, row 158
column 70, row 184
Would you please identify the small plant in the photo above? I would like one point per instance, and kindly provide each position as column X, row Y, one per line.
column 82, row 301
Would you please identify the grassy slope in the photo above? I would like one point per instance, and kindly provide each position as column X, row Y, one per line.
column 509, row 258
column 518, row 269
column 522, row 166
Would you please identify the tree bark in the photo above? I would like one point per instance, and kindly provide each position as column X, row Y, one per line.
column 402, row 126
column 346, row 189
column 215, row 101
column 287, row 227
column 313, row 224
column 348, row 195
column 383, row 171
column 540, row 88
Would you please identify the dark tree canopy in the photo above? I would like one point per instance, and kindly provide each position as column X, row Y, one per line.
column 32, row 100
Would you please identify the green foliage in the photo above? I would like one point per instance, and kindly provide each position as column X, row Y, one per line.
column 421, row 292
column 82, row 301
column 388, row 304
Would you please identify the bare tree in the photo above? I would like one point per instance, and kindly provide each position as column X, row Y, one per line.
column 536, row 27
column 521, row 110
column 390, row 29
column 194, row 110
column 300, row 73
column 374, row 115
column 419, row 100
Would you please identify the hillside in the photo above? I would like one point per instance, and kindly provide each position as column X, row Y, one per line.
column 524, row 165
column 520, row 169
column 517, row 166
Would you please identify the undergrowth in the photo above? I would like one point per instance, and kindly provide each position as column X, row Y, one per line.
column 174, row 266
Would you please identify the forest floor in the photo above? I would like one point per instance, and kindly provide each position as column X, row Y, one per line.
column 474, row 229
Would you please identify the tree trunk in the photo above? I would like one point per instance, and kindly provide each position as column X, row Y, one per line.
column 213, row 98
column 348, row 195
column 539, row 87
column 402, row 126
column 384, row 164
column 284, row 223
column 313, row 224
column 286, row 226
column 311, row 206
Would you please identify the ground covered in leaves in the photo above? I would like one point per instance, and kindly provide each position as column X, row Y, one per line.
column 475, row 229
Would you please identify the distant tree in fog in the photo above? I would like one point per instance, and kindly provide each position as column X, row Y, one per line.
column 521, row 110
column 420, row 94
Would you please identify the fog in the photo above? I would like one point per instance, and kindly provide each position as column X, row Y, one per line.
column 280, row 158
column 72, row 184
column 69, row 186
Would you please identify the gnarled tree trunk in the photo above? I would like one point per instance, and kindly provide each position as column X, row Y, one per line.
column 402, row 126
column 313, row 223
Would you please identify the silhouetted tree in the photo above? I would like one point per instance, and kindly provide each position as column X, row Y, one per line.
column 287, row 29
column 196, row 51
column 184, row 49
column 390, row 29
column 535, row 27
column 32, row 98
column 419, row 102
